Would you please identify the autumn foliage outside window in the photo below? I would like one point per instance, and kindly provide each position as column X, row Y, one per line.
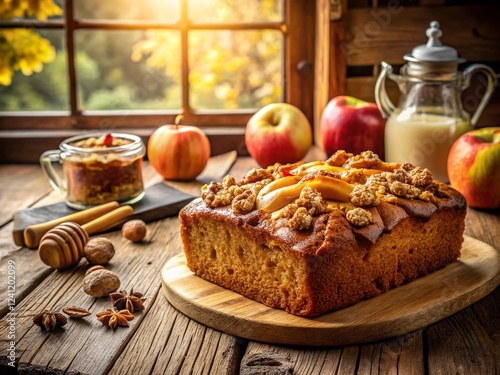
column 215, row 61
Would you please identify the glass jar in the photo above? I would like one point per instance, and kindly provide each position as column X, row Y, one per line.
column 96, row 169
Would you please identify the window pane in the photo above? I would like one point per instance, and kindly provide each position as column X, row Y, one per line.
column 235, row 69
column 40, row 9
column 158, row 10
column 235, row 11
column 128, row 69
column 34, row 74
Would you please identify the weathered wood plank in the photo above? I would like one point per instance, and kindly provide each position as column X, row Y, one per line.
column 30, row 271
column 139, row 268
column 91, row 347
column 21, row 187
column 388, row 33
column 466, row 343
column 168, row 342
column 401, row 355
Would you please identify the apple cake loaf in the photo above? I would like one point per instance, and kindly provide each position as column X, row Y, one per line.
column 315, row 237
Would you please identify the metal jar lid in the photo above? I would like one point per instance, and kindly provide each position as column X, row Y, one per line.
column 433, row 60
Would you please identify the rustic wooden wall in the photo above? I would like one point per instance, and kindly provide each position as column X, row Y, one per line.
column 367, row 32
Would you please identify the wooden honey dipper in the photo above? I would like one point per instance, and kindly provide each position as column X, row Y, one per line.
column 34, row 233
column 62, row 246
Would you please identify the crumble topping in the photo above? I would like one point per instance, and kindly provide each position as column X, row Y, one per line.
column 256, row 175
column 339, row 158
column 404, row 190
column 364, row 195
column 367, row 159
column 244, row 202
column 300, row 220
column 359, row 217
column 420, row 176
column 344, row 182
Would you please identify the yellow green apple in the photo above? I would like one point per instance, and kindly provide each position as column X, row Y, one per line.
column 278, row 133
column 474, row 167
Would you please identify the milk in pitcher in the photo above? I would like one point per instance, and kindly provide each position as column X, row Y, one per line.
column 423, row 139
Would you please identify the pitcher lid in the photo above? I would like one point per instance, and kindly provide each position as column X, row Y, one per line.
column 434, row 50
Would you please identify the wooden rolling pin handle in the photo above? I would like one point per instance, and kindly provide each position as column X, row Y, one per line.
column 108, row 220
column 34, row 233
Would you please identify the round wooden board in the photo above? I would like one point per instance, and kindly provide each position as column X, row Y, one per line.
column 401, row 310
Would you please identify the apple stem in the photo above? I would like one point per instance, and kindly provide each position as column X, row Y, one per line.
column 178, row 120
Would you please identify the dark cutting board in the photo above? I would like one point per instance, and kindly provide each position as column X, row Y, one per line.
column 159, row 202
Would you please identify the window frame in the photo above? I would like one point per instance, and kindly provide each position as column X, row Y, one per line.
column 297, row 26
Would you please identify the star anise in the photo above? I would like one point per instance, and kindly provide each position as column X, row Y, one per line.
column 50, row 320
column 132, row 301
column 113, row 318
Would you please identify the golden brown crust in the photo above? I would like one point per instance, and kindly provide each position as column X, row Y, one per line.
column 331, row 262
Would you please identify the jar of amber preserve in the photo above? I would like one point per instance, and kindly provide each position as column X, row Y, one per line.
column 97, row 168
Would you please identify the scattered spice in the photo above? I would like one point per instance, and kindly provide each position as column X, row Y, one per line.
column 132, row 301
column 134, row 230
column 76, row 312
column 113, row 318
column 50, row 320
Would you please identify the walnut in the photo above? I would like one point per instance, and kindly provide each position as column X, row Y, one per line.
column 364, row 195
column 399, row 175
column 404, row 190
column 354, row 176
column 100, row 283
column 214, row 195
column 426, row 195
column 300, row 220
column 420, row 176
column 228, row 181
column 208, row 192
column 312, row 201
column 134, row 230
column 99, row 250
column 235, row 190
column 378, row 183
column 289, row 210
column 256, row 174
column 367, row 159
column 244, row 202
column 359, row 217
column 339, row 158
column 407, row 166
column 257, row 186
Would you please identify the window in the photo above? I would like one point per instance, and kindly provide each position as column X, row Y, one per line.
column 129, row 64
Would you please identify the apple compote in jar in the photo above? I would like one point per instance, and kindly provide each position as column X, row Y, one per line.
column 98, row 169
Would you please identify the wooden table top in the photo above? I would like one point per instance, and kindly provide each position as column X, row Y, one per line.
column 161, row 340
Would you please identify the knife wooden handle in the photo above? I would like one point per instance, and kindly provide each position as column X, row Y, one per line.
column 34, row 233
column 108, row 220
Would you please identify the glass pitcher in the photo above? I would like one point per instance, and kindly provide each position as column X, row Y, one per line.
column 430, row 115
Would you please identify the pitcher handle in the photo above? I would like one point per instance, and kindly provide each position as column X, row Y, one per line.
column 47, row 161
column 384, row 104
column 490, row 87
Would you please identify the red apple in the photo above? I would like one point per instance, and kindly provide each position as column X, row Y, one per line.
column 352, row 125
column 474, row 167
column 178, row 152
column 278, row 133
